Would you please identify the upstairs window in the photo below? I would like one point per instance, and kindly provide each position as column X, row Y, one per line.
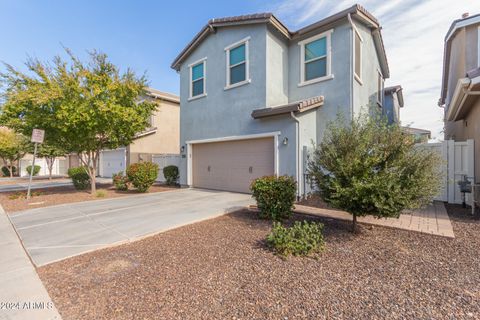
column 237, row 64
column 315, row 59
column 358, row 56
column 197, row 79
column 380, row 82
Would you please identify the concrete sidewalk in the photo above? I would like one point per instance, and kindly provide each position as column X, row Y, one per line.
column 22, row 293
column 41, row 184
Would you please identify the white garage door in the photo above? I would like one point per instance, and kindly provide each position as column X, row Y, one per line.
column 112, row 161
column 232, row 165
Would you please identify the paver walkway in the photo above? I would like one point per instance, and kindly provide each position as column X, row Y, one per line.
column 22, row 294
column 432, row 219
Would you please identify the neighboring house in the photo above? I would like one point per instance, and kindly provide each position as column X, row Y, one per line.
column 255, row 95
column 460, row 94
column 162, row 137
column 420, row 135
column 393, row 103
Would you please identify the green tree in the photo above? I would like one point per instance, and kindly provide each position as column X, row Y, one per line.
column 83, row 107
column 13, row 147
column 366, row 167
column 50, row 153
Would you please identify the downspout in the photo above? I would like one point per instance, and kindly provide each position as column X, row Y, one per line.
column 297, row 153
column 351, row 64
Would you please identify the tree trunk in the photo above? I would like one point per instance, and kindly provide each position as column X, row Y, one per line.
column 10, row 169
column 354, row 223
column 93, row 181
column 50, row 162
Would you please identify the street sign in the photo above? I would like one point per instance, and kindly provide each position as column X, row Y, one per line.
column 38, row 135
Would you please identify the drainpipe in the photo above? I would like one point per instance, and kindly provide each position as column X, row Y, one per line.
column 351, row 64
column 297, row 153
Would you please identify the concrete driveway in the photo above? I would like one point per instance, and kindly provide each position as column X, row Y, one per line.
column 58, row 232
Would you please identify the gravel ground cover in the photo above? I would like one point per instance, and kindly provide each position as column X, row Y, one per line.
column 16, row 200
column 221, row 269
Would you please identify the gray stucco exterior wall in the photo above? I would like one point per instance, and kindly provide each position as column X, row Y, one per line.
column 275, row 77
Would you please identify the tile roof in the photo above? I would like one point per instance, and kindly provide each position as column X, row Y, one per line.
column 298, row 106
column 271, row 19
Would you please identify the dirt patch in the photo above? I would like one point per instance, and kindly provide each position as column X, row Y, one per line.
column 221, row 269
column 16, row 200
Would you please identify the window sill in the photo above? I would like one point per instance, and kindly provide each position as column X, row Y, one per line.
column 197, row 97
column 358, row 80
column 306, row 83
column 238, row 84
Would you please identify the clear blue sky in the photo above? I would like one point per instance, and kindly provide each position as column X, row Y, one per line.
column 142, row 35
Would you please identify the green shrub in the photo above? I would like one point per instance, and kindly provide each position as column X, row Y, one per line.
column 171, row 174
column 300, row 239
column 100, row 194
column 35, row 171
column 6, row 173
column 142, row 175
column 275, row 196
column 79, row 177
column 120, row 181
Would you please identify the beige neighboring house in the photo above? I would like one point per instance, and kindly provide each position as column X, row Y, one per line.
column 160, row 139
column 460, row 95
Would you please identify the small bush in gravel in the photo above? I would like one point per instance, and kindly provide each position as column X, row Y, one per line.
column 35, row 171
column 275, row 196
column 299, row 240
column 142, row 175
column 120, row 181
column 6, row 172
column 171, row 175
column 79, row 177
column 100, row 194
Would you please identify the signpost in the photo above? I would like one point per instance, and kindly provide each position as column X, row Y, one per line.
column 37, row 137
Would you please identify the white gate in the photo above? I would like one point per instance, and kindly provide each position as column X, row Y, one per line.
column 164, row 160
column 458, row 159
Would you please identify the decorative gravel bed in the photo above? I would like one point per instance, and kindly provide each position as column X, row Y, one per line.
column 221, row 269
column 16, row 200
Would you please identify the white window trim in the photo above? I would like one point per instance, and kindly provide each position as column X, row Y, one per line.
column 302, row 44
column 227, row 49
column 478, row 46
column 358, row 77
column 382, row 95
column 190, row 66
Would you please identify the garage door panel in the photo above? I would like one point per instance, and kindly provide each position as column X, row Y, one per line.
column 232, row 165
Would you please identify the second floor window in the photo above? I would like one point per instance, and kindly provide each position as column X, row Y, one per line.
column 358, row 56
column 315, row 59
column 380, row 88
column 237, row 64
column 197, row 79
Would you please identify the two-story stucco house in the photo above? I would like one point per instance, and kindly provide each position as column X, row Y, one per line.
column 255, row 95
column 460, row 95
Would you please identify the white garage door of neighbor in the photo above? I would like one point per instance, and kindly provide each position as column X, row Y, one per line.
column 232, row 165
column 113, row 162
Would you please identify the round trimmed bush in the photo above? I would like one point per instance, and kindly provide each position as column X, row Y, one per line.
column 171, row 174
column 36, row 170
column 275, row 196
column 6, row 172
column 80, row 178
column 142, row 175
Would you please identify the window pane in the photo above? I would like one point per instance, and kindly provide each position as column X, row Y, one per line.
column 358, row 57
column 316, row 49
column 197, row 87
column 316, row 69
column 237, row 55
column 237, row 74
column 197, row 71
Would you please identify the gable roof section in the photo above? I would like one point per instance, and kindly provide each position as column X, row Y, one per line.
column 268, row 18
column 454, row 27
